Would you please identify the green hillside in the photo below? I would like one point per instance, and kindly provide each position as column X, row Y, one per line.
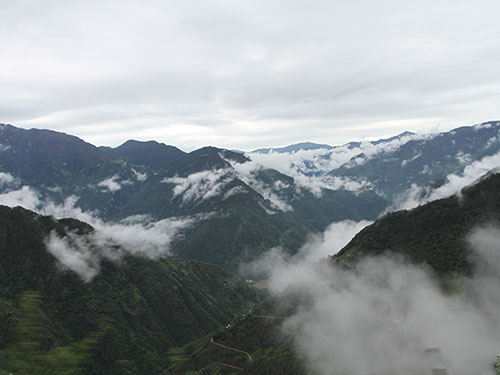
column 433, row 233
column 252, row 344
column 124, row 321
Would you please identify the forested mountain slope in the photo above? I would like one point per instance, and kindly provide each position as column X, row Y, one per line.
column 434, row 233
column 122, row 321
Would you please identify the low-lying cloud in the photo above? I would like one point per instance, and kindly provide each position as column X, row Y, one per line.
column 200, row 185
column 418, row 195
column 75, row 255
column 387, row 317
column 110, row 184
column 279, row 267
column 310, row 168
column 206, row 184
column 6, row 178
column 138, row 234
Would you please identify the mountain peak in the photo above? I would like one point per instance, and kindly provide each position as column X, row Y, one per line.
column 302, row 146
column 148, row 153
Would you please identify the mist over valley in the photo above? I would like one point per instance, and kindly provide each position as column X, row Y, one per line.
column 373, row 257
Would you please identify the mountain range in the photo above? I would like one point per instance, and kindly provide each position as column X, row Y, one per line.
column 122, row 260
column 239, row 204
column 434, row 236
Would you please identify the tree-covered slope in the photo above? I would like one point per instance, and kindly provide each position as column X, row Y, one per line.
column 252, row 344
column 124, row 320
column 434, row 233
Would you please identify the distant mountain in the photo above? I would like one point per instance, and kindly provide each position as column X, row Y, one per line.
column 390, row 166
column 242, row 209
column 423, row 160
column 122, row 321
column 244, row 204
column 45, row 157
column 203, row 159
column 248, row 212
column 304, row 146
column 151, row 153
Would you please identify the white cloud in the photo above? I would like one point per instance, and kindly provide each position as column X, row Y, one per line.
column 234, row 191
column 279, row 267
column 413, row 158
column 74, row 257
column 271, row 193
column 200, row 185
column 385, row 316
column 207, row 184
column 139, row 176
column 464, row 158
column 310, row 168
column 6, row 178
column 149, row 238
column 332, row 240
column 24, row 197
column 417, row 195
column 110, row 184
column 134, row 235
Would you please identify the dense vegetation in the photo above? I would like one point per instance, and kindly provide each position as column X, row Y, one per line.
column 257, row 333
column 434, row 233
column 170, row 315
column 123, row 321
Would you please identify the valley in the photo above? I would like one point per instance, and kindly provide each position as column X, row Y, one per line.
column 144, row 258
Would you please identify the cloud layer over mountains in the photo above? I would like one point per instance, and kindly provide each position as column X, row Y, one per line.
column 388, row 317
column 455, row 182
column 137, row 234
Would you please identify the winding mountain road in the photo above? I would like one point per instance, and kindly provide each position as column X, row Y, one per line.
column 233, row 349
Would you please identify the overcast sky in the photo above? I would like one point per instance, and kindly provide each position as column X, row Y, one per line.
column 248, row 74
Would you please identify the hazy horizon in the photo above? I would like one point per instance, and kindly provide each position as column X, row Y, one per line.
column 248, row 75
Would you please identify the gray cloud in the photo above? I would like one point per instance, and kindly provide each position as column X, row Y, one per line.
column 200, row 185
column 209, row 183
column 418, row 195
column 74, row 255
column 310, row 168
column 137, row 234
column 280, row 268
column 196, row 72
column 6, row 179
column 110, row 184
column 387, row 317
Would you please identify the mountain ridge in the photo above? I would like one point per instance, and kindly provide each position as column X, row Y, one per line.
column 136, row 307
column 286, row 198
